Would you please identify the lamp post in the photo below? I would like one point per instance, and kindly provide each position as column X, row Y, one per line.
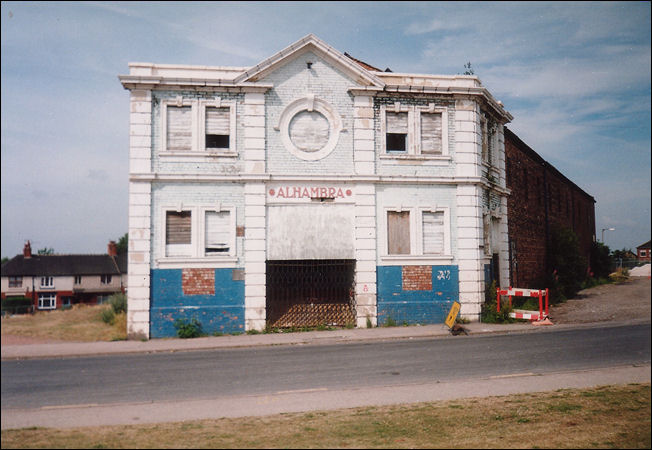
column 606, row 229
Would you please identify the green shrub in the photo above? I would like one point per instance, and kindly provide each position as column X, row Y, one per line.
column 569, row 268
column 619, row 276
column 369, row 324
column 108, row 316
column 390, row 322
column 17, row 305
column 188, row 329
column 488, row 313
column 119, row 303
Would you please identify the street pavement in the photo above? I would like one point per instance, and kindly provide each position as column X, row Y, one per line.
column 300, row 400
column 69, row 349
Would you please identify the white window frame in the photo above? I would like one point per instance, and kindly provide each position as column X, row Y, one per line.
column 189, row 248
column 413, row 146
column 47, row 282
column 201, row 125
column 51, row 298
column 232, row 232
column 178, row 102
column 416, row 256
column 197, row 256
column 487, row 124
column 198, row 149
column 447, row 226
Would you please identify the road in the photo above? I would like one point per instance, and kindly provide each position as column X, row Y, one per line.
column 254, row 381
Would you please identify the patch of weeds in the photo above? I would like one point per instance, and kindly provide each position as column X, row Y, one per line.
column 253, row 331
column 390, row 322
column 350, row 325
column 523, row 420
column 455, row 406
column 369, row 324
column 564, row 407
column 108, row 316
column 188, row 329
column 217, row 333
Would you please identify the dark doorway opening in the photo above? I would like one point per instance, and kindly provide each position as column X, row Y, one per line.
column 309, row 293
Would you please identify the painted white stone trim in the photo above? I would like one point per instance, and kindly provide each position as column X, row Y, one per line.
column 255, row 256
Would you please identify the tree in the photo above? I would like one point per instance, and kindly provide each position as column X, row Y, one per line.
column 123, row 243
column 601, row 260
column 46, row 251
column 567, row 264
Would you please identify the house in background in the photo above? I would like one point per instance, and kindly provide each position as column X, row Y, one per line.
column 643, row 252
column 55, row 281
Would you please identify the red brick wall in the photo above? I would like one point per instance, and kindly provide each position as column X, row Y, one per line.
column 541, row 197
column 417, row 278
column 198, row 281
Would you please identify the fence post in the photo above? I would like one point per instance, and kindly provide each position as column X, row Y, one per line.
column 498, row 299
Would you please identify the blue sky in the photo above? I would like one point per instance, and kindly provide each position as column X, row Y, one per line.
column 575, row 76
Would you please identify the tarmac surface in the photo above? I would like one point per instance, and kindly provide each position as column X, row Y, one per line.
column 70, row 349
column 339, row 336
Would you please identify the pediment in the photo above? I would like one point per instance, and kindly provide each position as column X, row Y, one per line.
column 311, row 43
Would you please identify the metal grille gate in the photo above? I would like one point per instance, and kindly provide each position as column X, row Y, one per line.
column 305, row 293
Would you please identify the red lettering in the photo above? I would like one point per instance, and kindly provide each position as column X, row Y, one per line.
column 281, row 194
column 305, row 193
column 340, row 193
column 323, row 192
column 297, row 192
column 331, row 192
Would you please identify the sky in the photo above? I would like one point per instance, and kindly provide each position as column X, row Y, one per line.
column 575, row 76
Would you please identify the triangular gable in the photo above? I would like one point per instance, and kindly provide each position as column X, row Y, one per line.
column 319, row 47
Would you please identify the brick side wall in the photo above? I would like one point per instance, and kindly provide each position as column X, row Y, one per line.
column 540, row 199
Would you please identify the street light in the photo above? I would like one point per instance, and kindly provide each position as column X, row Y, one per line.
column 607, row 229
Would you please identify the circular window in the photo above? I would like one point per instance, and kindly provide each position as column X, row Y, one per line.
column 310, row 128
column 309, row 131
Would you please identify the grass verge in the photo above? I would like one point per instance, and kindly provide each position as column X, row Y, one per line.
column 80, row 323
column 604, row 417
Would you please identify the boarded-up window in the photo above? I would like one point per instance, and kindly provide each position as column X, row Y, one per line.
column 217, row 235
column 218, row 127
column 396, row 133
column 431, row 140
column 178, row 233
column 485, row 139
column 433, row 233
column 398, row 233
column 179, row 127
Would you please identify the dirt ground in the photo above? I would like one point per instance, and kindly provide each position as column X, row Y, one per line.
column 607, row 302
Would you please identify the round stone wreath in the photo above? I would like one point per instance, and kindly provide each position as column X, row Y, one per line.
column 325, row 144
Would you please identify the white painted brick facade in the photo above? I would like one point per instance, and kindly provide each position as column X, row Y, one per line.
column 453, row 182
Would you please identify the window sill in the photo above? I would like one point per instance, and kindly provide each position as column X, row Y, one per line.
column 203, row 154
column 413, row 156
column 206, row 262
column 398, row 260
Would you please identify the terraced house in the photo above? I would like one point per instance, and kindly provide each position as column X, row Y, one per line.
column 310, row 188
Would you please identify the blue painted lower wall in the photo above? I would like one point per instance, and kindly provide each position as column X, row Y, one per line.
column 222, row 312
column 416, row 307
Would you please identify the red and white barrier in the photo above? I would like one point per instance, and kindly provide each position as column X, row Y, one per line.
column 518, row 292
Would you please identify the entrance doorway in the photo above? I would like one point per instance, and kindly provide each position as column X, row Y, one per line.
column 308, row 293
